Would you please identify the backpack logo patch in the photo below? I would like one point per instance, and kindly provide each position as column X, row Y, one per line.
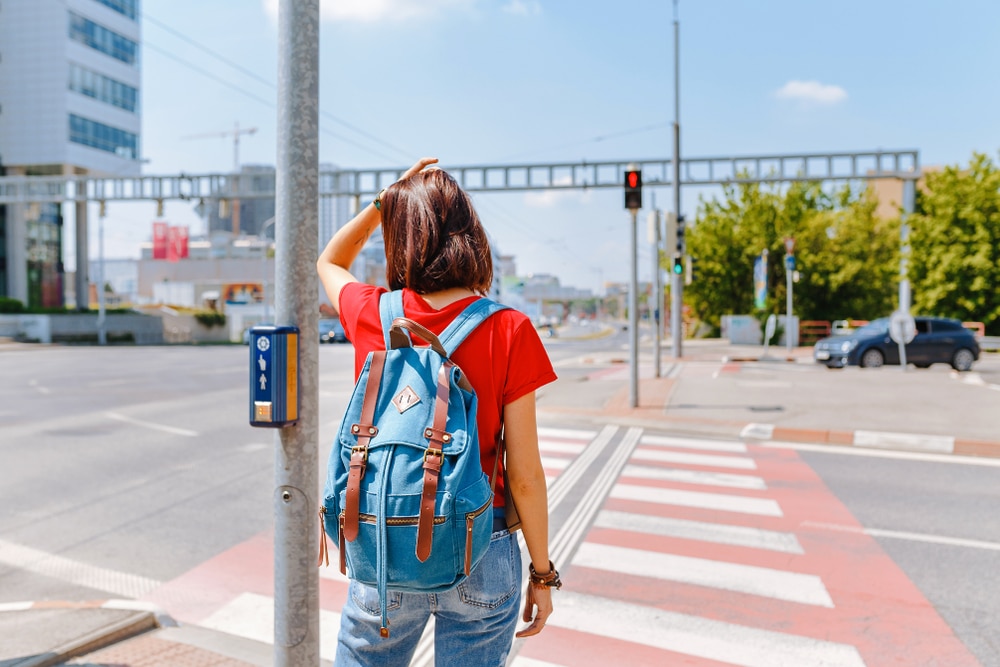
column 405, row 399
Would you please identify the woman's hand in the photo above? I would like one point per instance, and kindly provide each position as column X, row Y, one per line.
column 537, row 598
column 418, row 167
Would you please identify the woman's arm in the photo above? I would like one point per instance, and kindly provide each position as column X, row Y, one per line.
column 335, row 261
column 527, row 485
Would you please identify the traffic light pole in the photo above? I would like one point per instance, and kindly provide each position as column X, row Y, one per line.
column 676, row 281
column 296, row 470
column 633, row 316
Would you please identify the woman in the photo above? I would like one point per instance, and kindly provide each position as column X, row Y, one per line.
column 438, row 254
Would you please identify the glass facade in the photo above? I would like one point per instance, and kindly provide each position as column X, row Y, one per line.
column 100, row 87
column 103, row 137
column 45, row 269
column 98, row 37
column 129, row 8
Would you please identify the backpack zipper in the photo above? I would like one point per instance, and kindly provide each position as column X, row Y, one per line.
column 470, row 519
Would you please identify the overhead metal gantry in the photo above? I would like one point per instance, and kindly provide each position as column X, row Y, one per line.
column 705, row 171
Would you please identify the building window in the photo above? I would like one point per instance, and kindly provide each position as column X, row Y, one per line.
column 127, row 7
column 103, row 137
column 100, row 38
column 100, row 87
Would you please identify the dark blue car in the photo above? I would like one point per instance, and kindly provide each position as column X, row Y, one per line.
column 331, row 331
column 938, row 340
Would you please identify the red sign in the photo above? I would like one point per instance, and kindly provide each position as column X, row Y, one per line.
column 177, row 243
column 160, row 240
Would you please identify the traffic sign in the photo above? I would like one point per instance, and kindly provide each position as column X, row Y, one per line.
column 902, row 327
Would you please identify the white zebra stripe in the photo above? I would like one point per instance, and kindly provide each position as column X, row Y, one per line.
column 701, row 637
column 706, row 478
column 717, row 461
column 693, row 443
column 736, row 577
column 251, row 616
column 699, row 499
column 741, row 536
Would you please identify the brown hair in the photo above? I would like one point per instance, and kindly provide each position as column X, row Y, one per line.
column 433, row 237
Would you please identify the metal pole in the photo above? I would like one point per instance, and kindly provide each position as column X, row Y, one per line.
column 296, row 530
column 102, row 328
column 676, row 284
column 656, row 286
column 788, row 305
column 909, row 195
column 633, row 317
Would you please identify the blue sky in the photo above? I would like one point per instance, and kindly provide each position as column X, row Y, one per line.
column 501, row 81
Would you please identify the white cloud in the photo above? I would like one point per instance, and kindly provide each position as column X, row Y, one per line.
column 523, row 7
column 369, row 11
column 549, row 198
column 812, row 92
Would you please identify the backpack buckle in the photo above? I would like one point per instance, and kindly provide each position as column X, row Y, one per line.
column 360, row 449
column 431, row 451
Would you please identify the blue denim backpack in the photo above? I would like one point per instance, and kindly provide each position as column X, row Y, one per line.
column 406, row 497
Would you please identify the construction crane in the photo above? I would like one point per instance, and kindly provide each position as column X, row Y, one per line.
column 235, row 134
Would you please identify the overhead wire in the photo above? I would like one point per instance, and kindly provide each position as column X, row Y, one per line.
column 243, row 70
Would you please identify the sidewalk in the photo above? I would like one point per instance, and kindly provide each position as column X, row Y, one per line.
column 116, row 632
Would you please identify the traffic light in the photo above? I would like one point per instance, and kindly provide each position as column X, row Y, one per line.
column 680, row 235
column 633, row 189
column 678, row 265
column 691, row 270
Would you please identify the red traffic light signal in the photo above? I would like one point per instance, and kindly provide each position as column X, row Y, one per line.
column 633, row 189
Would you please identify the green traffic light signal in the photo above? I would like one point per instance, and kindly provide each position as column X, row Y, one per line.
column 678, row 266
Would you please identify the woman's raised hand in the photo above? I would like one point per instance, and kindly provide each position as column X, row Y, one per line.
column 418, row 167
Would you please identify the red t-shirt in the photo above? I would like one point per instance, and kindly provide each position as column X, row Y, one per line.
column 503, row 357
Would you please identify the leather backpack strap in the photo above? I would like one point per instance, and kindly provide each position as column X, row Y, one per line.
column 365, row 430
column 433, row 460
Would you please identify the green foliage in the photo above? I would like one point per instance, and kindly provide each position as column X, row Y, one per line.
column 10, row 305
column 846, row 257
column 210, row 318
column 955, row 241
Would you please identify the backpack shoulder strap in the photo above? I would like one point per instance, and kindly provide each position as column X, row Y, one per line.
column 390, row 306
column 474, row 314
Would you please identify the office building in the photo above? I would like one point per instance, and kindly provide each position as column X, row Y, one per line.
column 70, row 104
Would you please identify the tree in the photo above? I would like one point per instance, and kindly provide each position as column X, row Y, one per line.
column 955, row 241
column 846, row 256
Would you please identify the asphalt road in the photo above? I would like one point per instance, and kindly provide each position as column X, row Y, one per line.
column 134, row 465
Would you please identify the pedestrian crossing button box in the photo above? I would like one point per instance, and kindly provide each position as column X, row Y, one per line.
column 274, row 376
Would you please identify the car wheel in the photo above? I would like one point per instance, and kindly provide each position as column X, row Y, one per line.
column 872, row 359
column 963, row 359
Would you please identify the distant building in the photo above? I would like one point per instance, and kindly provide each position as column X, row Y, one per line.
column 70, row 103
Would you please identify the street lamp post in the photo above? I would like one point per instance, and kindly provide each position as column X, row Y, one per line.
column 263, row 285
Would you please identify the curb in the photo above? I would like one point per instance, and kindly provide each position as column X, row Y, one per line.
column 143, row 617
column 909, row 442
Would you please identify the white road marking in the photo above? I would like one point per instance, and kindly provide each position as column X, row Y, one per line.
column 75, row 572
column 695, row 477
column 650, row 454
column 750, row 579
column 173, row 430
column 758, row 431
column 905, row 535
column 555, row 462
column 702, row 637
column 922, row 443
column 554, row 447
column 718, row 533
column 39, row 388
column 712, row 501
column 252, row 616
column 957, row 459
column 566, row 433
column 692, row 443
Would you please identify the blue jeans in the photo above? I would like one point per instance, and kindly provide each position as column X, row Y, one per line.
column 473, row 623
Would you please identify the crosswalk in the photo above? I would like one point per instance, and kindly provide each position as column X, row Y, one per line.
column 674, row 551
